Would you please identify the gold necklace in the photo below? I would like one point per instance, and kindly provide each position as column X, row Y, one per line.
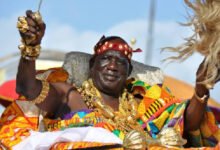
column 124, row 119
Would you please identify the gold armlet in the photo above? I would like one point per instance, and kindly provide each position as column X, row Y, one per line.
column 202, row 99
column 43, row 94
column 30, row 52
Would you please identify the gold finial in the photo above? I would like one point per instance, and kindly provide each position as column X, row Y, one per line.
column 133, row 42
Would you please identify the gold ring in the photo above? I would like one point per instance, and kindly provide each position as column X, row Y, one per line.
column 37, row 17
column 22, row 24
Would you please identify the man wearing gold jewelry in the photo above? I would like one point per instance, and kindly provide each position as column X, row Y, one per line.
column 140, row 114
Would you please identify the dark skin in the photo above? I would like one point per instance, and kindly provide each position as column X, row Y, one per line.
column 109, row 73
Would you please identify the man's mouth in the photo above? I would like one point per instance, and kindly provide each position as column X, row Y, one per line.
column 110, row 77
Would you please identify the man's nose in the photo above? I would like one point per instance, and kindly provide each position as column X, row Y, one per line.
column 113, row 65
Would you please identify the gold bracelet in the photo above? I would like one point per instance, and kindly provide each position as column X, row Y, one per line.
column 30, row 52
column 43, row 94
column 202, row 99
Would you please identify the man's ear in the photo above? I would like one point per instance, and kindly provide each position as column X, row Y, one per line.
column 91, row 62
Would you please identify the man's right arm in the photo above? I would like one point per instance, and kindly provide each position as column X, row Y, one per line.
column 27, row 84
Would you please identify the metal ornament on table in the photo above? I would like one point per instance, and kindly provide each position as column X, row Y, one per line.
column 135, row 140
column 168, row 137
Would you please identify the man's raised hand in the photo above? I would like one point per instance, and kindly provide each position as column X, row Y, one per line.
column 31, row 28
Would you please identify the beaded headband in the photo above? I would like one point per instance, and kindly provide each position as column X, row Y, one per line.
column 124, row 48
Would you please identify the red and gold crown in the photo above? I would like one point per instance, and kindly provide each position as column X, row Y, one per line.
column 124, row 48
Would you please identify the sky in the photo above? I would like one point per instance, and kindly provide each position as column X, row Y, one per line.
column 76, row 25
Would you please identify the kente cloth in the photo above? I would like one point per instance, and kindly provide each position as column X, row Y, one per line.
column 17, row 121
column 158, row 109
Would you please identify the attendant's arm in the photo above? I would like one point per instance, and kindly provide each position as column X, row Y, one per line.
column 194, row 113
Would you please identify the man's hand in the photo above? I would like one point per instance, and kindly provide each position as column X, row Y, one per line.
column 201, row 88
column 31, row 28
column 196, row 108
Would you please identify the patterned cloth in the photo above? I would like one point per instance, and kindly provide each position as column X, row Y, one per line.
column 17, row 121
column 158, row 109
column 88, row 145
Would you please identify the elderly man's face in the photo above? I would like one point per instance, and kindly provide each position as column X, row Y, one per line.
column 109, row 72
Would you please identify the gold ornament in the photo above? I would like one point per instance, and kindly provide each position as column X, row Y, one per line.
column 37, row 17
column 133, row 42
column 135, row 140
column 43, row 94
column 29, row 52
column 22, row 24
column 170, row 137
column 126, row 120
column 23, row 27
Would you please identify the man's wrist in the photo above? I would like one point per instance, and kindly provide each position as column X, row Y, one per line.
column 201, row 93
column 201, row 99
column 30, row 52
